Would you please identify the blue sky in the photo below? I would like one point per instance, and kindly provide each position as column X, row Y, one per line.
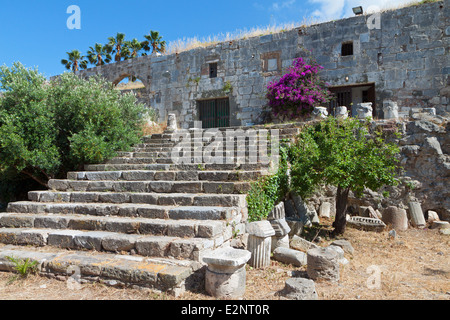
column 36, row 34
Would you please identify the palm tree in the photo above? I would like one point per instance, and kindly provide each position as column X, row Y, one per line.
column 75, row 61
column 116, row 43
column 134, row 47
column 154, row 42
column 96, row 54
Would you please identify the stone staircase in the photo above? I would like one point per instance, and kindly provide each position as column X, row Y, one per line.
column 139, row 219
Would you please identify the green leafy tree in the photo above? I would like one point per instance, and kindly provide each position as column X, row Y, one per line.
column 50, row 128
column 75, row 61
column 154, row 42
column 342, row 153
column 99, row 54
column 27, row 141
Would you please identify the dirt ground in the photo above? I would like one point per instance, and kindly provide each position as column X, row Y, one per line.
column 414, row 266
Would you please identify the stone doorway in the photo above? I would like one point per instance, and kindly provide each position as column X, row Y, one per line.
column 352, row 95
column 214, row 113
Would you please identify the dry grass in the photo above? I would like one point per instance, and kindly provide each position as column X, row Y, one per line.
column 130, row 85
column 186, row 44
column 155, row 128
column 414, row 266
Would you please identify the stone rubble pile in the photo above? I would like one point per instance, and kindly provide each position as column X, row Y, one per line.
column 322, row 263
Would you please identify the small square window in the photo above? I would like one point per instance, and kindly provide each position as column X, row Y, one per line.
column 347, row 49
column 213, row 70
column 271, row 61
column 272, row 64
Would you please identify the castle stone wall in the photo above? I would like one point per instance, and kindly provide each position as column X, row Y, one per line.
column 404, row 53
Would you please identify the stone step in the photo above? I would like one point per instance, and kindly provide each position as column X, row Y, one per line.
column 156, row 154
column 143, row 245
column 202, row 148
column 120, row 160
column 177, row 167
column 163, row 199
column 144, row 203
column 192, row 160
column 167, row 151
column 283, row 130
column 124, row 225
column 221, row 187
column 172, row 141
column 206, row 140
column 168, row 275
column 199, row 140
column 128, row 210
column 150, row 175
column 172, row 152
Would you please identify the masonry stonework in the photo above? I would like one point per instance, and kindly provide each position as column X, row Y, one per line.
column 402, row 54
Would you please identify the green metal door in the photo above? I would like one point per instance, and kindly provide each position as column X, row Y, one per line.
column 214, row 113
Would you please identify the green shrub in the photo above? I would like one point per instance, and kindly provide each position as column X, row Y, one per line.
column 267, row 191
column 50, row 128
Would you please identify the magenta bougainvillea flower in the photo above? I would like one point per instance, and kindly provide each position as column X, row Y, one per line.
column 298, row 91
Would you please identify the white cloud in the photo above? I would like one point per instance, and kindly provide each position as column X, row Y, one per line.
column 336, row 9
column 321, row 10
column 282, row 5
column 328, row 9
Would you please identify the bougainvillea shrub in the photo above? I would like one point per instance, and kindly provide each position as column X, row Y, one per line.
column 298, row 91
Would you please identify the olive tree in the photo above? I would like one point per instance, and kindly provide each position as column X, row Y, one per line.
column 48, row 128
column 342, row 153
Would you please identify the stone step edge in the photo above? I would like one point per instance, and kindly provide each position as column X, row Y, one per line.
column 283, row 127
column 200, row 141
column 214, row 187
column 204, row 146
column 201, row 148
column 247, row 157
column 130, row 210
column 161, row 199
column 166, row 275
column 192, row 158
column 169, row 160
column 210, row 138
column 160, row 167
column 258, row 154
column 207, row 146
column 103, row 241
column 166, row 175
column 282, row 134
column 125, row 225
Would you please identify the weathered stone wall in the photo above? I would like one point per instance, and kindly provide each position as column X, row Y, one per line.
column 405, row 57
column 425, row 150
